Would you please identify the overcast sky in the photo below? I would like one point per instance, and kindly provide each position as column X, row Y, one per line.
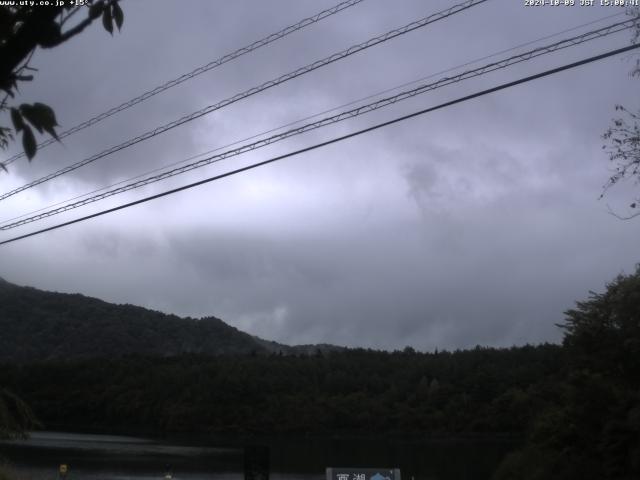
column 475, row 224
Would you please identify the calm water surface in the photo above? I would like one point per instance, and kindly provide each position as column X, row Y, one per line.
column 109, row 457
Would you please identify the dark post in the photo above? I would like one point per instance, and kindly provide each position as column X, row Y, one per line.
column 256, row 462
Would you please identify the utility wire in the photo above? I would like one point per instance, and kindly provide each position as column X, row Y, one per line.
column 304, row 119
column 252, row 91
column 332, row 141
column 384, row 102
column 198, row 71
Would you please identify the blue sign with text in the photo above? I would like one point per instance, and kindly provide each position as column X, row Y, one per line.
column 334, row 473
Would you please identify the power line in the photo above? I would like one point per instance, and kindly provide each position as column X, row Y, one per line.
column 333, row 140
column 615, row 28
column 198, row 71
column 252, row 91
column 300, row 120
column 491, row 67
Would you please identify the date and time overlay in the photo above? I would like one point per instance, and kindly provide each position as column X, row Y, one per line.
column 582, row 3
column 527, row 3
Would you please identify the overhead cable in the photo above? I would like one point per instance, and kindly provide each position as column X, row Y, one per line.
column 194, row 73
column 309, row 117
column 329, row 142
column 252, row 91
column 355, row 112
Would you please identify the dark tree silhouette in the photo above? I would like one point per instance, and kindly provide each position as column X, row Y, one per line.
column 23, row 29
column 592, row 430
column 603, row 332
column 16, row 418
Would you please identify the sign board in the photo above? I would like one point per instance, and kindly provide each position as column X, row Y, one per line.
column 334, row 473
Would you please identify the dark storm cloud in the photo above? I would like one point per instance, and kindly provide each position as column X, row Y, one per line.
column 477, row 224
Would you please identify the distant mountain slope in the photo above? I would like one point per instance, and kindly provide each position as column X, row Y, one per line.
column 307, row 349
column 39, row 325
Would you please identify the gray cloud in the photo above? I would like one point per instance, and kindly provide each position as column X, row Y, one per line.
column 477, row 224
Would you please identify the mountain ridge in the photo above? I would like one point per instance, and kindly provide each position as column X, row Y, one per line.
column 39, row 325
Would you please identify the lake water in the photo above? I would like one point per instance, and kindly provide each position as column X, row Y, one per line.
column 109, row 457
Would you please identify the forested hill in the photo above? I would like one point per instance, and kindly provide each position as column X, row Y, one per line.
column 38, row 325
column 577, row 404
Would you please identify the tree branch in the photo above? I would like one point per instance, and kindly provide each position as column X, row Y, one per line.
column 71, row 14
column 620, row 217
column 72, row 32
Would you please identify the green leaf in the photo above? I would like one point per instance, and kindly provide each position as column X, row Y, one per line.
column 16, row 118
column 95, row 10
column 49, row 35
column 118, row 15
column 31, row 115
column 51, row 132
column 29, row 142
column 47, row 118
column 40, row 116
column 107, row 20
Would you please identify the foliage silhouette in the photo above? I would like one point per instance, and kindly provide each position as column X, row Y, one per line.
column 23, row 28
column 592, row 431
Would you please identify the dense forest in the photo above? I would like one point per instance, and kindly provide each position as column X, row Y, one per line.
column 575, row 405
column 357, row 391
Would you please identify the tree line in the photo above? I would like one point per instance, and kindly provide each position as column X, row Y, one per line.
column 355, row 391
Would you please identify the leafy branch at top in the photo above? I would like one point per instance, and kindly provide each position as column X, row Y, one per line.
column 623, row 147
column 23, row 29
column 622, row 140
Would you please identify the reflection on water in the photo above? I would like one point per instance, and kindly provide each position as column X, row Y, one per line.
column 108, row 457
column 114, row 445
